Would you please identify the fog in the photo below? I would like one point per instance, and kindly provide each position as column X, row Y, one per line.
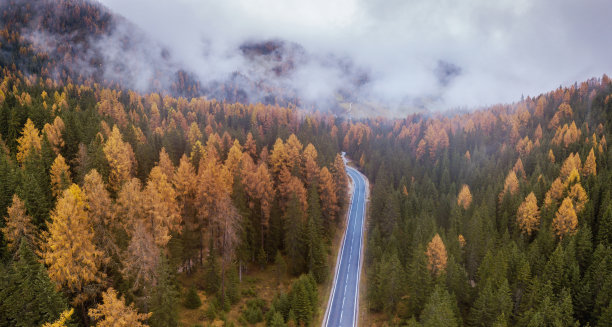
column 439, row 55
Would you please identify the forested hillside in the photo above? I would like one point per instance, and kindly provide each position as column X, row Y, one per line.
column 128, row 198
column 497, row 217
column 109, row 193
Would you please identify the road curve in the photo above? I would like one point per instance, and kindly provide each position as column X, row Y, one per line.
column 343, row 304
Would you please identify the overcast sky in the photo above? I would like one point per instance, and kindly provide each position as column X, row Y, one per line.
column 468, row 53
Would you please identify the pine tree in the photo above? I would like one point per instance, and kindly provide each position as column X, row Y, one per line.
column 113, row 312
column 192, row 299
column 165, row 298
column 54, row 134
column 294, row 236
column 439, row 309
column 528, row 215
column 27, row 296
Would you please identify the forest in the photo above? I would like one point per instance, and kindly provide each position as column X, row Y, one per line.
column 170, row 208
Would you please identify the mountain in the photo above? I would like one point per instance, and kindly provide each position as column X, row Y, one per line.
column 84, row 42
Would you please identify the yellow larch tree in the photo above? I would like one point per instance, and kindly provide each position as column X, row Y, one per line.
column 528, row 215
column 578, row 196
column 54, row 134
column 436, row 253
column 551, row 156
column 113, row 312
column 101, row 212
column 311, row 168
column 161, row 208
column 250, row 146
column 519, row 169
column 194, row 134
column 327, row 191
column 30, row 140
column 278, row 158
column 340, row 179
column 294, row 148
column 234, row 157
column 571, row 162
column 537, row 135
column 571, row 135
column 590, row 165
column 18, row 224
column 511, row 185
column 555, row 192
column 461, row 240
column 121, row 159
column 70, row 253
column 62, row 320
column 165, row 163
column 565, row 221
column 60, row 176
column 464, row 199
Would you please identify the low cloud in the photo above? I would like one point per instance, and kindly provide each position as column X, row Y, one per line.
column 422, row 53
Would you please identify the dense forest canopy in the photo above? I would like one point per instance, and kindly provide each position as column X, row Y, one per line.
column 137, row 205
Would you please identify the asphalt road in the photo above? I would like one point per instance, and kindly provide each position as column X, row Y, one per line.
column 343, row 305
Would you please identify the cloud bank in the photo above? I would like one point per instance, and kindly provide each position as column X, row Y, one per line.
column 440, row 54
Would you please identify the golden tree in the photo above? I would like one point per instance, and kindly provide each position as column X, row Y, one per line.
column 113, row 312
column 461, row 240
column 70, row 252
column 30, row 140
column 162, row 214
column 571, row 135
column 165, row 163
column 18, row 225
column 528, row 215
column 279, row 157
column 250, row 146
column 511, row 185
column 572, row 162
column 551, row 156
column 294, row 148
column 464, row 199
column 54, row 134
column 555, row 192
column 120, row 158
column 193, row 135
column 590, row 165
column 62, row 320
column 565, row 221
column 327, row 191
column 100, row 209
column 436, row 253
column 578, row 196
column 60, row 175
column 519, row 169
column 311, row 168
column 234, row 157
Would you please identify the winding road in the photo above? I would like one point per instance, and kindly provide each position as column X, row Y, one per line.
column 343, row 304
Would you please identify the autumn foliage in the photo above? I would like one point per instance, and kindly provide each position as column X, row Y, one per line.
column 528, row 215
column 436, row 254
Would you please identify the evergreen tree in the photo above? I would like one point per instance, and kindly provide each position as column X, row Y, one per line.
column 294, row 236
column 27, row 295
column 165, row 298
column 440, row 309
